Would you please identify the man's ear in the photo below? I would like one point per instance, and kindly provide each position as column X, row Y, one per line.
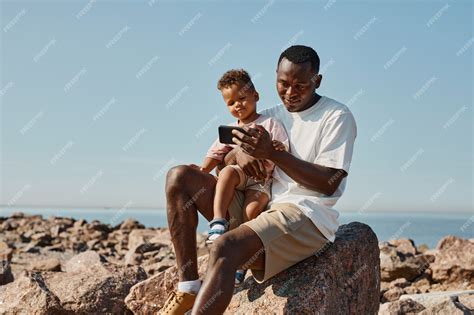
column 257, row 97
column 318, row 80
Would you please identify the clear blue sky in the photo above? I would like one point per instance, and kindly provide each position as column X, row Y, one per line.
column 147, row 71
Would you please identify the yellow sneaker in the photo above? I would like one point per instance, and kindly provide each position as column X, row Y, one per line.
column 178, row 303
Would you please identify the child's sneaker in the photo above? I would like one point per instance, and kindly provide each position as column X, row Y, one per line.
column 217, row 227
column 240, row 277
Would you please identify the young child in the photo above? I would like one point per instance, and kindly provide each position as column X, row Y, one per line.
column 241, row 99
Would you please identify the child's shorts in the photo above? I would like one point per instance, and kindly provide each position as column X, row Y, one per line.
column 246, row 183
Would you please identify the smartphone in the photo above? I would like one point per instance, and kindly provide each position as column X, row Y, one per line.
column 225, row 134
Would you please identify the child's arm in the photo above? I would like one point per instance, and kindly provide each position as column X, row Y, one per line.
column 209, row 164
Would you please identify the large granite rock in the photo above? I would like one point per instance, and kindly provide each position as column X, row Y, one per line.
column 454, row 262
column 345, row 279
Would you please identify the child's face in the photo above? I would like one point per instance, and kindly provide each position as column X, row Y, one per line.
column 241, row 102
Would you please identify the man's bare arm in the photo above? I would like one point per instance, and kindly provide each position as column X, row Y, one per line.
column 312, row 176
column 258, row 144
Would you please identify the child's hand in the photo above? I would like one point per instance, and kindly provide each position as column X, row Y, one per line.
column 278, row 145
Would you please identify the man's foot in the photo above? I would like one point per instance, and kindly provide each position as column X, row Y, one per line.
column 178, row 303
column 240, row 277
column 217, row 227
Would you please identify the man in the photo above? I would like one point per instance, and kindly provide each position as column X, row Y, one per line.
column 307, row 182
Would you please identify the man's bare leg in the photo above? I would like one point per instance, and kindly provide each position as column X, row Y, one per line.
column 218, row 287
column 187, row 190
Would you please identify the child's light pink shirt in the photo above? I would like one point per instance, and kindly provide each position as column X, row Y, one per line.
column 274, row 127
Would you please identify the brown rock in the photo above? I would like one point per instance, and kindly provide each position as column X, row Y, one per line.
column 395, row 264
column 423, row 285
column 97, row 290
column 84, row 261
column 399, row 283
column 401, row 308
column 392, row 294
column 454, row 261
column 446, row 307
column 344, row 280
column 49, row 264
column 405, row 246
column 467, row 301
column 5, row 251
column 28, row 295
column 148, row 236
column 131, row 224
column 6, row 275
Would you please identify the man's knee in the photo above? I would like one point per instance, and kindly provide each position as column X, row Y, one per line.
column 177, row 176
column 223, row 249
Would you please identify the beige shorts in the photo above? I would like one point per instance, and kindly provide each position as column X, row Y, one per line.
column 250, row 183
column 288, row 236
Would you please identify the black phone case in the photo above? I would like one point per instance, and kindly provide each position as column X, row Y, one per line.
column 225, row 134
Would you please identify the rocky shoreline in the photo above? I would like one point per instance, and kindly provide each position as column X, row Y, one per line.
column 94, row 265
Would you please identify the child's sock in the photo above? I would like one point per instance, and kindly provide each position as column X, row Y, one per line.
column 218, row 227
column 192, row 286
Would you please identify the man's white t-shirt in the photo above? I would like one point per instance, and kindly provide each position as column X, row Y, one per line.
column 323, row 134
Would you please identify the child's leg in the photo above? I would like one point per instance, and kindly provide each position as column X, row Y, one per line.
column 228, row 180
column 255, row 202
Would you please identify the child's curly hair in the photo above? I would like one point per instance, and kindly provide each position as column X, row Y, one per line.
column 235, row 76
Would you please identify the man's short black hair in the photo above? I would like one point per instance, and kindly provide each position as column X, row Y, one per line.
column 301, row 54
